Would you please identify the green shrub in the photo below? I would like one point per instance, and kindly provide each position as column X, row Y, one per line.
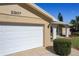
column 62, row 46
column 76, row 33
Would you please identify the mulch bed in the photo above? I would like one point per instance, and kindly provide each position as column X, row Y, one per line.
column 76, row 48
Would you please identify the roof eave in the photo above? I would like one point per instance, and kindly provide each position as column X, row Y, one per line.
column 61, row 23
column 40, row 10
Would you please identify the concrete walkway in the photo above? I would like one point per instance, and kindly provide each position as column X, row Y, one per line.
column 74, row 52
column 42, row 52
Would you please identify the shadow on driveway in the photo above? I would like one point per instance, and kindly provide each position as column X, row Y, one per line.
column 50, row 49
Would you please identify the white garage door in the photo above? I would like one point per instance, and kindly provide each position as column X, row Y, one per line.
column 18, row 38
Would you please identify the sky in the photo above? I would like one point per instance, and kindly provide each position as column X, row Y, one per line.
column 68, row 10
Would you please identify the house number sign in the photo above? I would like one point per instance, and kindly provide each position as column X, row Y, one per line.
column 15, row 12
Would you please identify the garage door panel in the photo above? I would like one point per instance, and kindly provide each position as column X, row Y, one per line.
column 19, row 38
column 13, row 49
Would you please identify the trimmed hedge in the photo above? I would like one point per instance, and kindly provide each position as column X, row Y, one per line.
column 62, row 47
column 76, row 33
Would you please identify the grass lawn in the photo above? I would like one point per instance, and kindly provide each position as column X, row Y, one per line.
column 75, row 42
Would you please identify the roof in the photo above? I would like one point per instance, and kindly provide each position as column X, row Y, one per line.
column 38, row 11
column 54, row 20
column 43, row 11
column 60, row 23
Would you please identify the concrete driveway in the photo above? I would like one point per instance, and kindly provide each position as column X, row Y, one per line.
column 41, row 51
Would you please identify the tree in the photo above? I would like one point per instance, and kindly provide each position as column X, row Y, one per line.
column 73, row 22
column 59, row 28
column 60, row 17
column 77, row 18
column 73, row 28
column 77, row 22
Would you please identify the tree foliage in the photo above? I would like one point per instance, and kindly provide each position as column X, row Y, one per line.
column 59, row 30
column 75, row 23
column 77, row 19
column 60, row 17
